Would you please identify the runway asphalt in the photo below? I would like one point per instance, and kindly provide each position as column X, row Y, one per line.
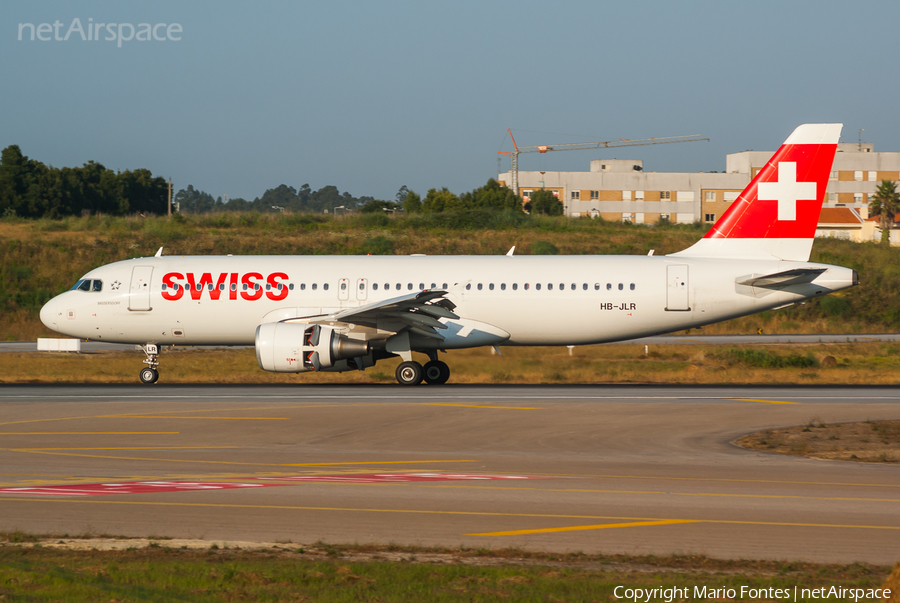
column 616, row 469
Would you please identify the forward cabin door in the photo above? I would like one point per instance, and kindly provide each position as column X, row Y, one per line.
column 677, row 288
column 139, row 298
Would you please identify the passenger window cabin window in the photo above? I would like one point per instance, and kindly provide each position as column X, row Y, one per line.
column 398, row 286
column 315, row 286
column 374, row 286
column 469, row 287
column 434, row 285
column 256, row 287
column 596, row 286
column 491, row 286
column 584, row 286
column 621, row 286
column 632, row 286
column 537, row 286
column 291, row 287
column 280, row 286
column 480, row 286
column 268, row 287
column 503, row 286
column 409, row 286
column 421, row 286
column 234, row 286
column 549, row 286
column 199, row 286
column 325, row 286
column 515, row 286
column 527, row 286
column 609, row 286
column 562, row 286
column 245, row 286
column 343, row 286
column 302, row 286
column 222, row 286
column 444, row 286
column 573, row 286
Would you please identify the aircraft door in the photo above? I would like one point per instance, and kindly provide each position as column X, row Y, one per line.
column 344, row 290
column 677, row 288
column 362, row 289
column 139, row 293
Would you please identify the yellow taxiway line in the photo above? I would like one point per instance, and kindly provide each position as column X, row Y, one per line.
column 602, row 526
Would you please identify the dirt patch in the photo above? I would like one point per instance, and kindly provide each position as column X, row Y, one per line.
column 868, row 442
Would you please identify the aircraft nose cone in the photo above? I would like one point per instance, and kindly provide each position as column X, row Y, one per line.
column 49, row 314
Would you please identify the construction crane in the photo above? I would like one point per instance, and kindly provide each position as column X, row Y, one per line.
column 577, row 146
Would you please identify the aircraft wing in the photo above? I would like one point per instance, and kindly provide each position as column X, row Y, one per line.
column 416, row 312
column 779, row 280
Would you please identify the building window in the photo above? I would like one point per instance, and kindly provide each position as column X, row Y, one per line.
column 627, row 218
column 626, row 195
column 710, row 218
column 857, row 197
column 834, row 175
column 857, row 175
column 604, row 167
column 595, row 195
column 709, row 195
column 873, row 176
column 832, row 197
column 665, row 217
column 638, row 195
column 576, row 195
column 665, row 195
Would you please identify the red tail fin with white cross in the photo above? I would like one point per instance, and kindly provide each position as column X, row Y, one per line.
column 776, row 215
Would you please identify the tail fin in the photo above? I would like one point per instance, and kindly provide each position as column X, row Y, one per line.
column 776, row 215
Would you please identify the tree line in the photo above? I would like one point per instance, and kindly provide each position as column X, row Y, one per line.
column 31, row 189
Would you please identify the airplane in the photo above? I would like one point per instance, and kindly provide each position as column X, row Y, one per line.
column 342, row 313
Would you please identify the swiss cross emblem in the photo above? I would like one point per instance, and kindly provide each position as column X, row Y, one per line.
column 787, row 191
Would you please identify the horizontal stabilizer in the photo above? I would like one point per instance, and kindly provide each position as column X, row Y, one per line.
column 779, row 280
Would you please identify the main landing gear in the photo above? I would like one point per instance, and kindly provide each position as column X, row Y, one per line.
column 435, row 372
column 149, row 374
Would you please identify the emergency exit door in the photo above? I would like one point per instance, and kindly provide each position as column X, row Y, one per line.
column 677, row 288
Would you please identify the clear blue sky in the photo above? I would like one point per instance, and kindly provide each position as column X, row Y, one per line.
column 369, row 96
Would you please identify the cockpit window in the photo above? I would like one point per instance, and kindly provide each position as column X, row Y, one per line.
column 86, row 284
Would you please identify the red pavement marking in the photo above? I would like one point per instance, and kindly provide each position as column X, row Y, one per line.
column 381, row 478
column 262, row 482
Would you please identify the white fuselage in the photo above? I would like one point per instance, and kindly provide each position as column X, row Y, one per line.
column 527, row 300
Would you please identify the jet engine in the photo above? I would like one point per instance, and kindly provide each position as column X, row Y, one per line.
column 285, row 347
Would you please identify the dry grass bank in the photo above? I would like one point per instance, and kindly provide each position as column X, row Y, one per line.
column 845, row 363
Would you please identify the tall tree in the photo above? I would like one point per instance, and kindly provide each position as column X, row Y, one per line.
column 545, row 202
column 885, row 203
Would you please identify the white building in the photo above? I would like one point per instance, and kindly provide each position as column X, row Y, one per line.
column 620, row 189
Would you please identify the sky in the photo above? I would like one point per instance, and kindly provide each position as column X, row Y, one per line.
column 239, row 97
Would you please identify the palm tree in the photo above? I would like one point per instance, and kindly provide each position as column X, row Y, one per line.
column 885, row 202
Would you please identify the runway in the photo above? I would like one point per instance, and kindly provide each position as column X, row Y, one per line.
column 615, row 469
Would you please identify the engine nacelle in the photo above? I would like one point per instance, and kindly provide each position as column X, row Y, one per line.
column 286, row 347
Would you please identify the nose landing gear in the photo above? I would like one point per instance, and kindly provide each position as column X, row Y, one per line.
column 149, row 374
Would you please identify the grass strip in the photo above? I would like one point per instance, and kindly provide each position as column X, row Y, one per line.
column 336, row 573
